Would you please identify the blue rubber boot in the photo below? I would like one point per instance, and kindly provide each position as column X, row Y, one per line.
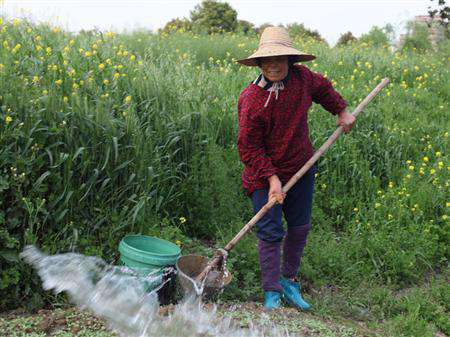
column 272, row 300
column 291, row 292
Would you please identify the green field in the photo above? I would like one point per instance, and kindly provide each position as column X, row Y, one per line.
column 104, row 134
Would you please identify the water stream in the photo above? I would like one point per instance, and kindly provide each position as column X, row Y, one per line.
column 120, row 296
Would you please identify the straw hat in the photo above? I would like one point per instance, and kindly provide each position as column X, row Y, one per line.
column 275, row 41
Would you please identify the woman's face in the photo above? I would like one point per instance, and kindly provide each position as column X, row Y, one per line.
column 274, row 68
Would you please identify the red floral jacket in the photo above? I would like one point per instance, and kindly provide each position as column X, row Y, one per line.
column 275, row 139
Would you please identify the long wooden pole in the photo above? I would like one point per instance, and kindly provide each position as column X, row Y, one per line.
column 212, row 263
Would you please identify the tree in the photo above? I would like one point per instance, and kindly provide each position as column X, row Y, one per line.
column 246, row 27
column 346, row 38
column 212, row 16
column 442, row 12
column 174, row 25
column 417, row 37
column 261, row 28
column 299, row 29
column 377, row 36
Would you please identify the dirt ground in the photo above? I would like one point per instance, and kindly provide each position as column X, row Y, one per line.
column 74, row 322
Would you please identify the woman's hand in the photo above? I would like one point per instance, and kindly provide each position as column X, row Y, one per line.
column 346, row 120
column 275, row 189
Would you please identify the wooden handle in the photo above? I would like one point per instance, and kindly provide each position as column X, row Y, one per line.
column 293, row 180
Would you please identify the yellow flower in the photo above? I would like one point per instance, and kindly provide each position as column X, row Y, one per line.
column 65, row 99
column 8, row 119
column 35, row 79
column 105, row 81
column 355, row 209
column 425, row 159
column 16, row 47
column 182, row 220
column 377, row 204
column 127, row 99
column 72, row 42
column 87, row 54
column 48, row 50
column 58, row 82
column 432, row 171
column 391, row 184
column 132, row 57
column 438, row 154
column 444, row 217
column 178, row 243
column 116, row 76
column 411, row 167
column 447, row 204
column 101, row 66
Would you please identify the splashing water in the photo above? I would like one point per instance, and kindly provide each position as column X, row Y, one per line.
column 121, row 296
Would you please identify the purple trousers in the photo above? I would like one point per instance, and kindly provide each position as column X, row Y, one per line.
column 274, row 241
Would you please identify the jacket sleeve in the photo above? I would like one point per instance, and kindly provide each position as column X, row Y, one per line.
column 322, row 92
column 250, row 141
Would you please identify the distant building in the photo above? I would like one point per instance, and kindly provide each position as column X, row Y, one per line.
column 435, row 29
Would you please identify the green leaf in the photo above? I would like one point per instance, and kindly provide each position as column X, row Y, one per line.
column 10, row 255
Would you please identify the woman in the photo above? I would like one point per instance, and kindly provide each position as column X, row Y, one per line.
column 273, row 143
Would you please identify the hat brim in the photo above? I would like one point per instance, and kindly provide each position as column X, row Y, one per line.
column 251, row 61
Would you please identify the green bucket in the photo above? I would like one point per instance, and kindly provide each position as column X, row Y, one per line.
column 148, row 255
